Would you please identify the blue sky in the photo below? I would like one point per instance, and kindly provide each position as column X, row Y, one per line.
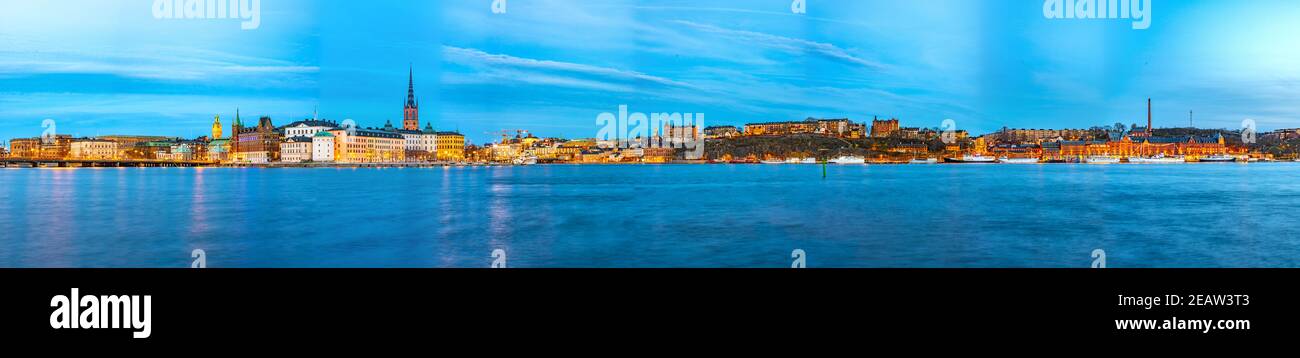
column 103, row 67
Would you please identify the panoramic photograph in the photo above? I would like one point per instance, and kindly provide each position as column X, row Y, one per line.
column 941, row 135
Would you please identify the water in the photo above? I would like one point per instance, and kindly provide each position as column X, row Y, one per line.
column 1203, row 215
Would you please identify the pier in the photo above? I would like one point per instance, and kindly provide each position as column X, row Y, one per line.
column 91, row 163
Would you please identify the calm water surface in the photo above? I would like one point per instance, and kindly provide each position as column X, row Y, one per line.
column 1202, row 215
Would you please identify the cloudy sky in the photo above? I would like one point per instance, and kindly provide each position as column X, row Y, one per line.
column 101, row 67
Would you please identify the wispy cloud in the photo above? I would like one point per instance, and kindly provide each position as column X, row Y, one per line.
column 787, row 44
column 475, row 57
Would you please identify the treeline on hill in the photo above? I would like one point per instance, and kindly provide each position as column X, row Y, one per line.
column 811, row 146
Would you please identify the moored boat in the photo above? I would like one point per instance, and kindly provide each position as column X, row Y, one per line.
column 1157, row 159
column 848, row 160
column 1101, row 159
column 971, row 159
column 1218, row 158
column 1006, row 160
column 924, row 161
column 772, row 162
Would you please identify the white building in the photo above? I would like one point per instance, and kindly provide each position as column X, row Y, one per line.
column 93, row 149
column 296, row 149
column 418, row 143
column 322, row 147
column 308, row 128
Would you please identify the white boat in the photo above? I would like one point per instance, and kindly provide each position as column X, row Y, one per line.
column 772, row 161
column 972, row 159
column 1101, row 159
column 1006, row 160
column 792, row 161
column 808, row 161
column 529, row 160
column 1157, row 159
column 848, row 160
column 1218, row 158
column 924, row 161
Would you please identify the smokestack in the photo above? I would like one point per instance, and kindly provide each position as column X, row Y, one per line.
column 1149, row 117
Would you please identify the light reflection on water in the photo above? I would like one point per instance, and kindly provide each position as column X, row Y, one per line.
column 1205, row 215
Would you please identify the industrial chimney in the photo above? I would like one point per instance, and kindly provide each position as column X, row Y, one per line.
column 1149, row 130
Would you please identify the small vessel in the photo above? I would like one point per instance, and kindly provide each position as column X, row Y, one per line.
column 528, row 160
column 1157, row 159
column 1101, row 159
column 924, row 161
column 972, row 159
column 772, row 162
column 1218, row 158
column 848, row 160
column 808, row 161
column 1006, row 160
column 792, row 161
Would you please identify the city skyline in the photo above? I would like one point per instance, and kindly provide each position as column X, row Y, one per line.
column 552, row 66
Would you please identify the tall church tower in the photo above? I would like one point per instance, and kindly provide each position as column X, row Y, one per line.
column 235, row 128
column 411, row 112
column 216, row 127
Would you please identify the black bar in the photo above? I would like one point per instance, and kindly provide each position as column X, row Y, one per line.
column 279, row 306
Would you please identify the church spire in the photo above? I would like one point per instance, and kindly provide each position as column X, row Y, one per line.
column 410, row 88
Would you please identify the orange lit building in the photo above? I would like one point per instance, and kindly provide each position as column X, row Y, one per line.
column 885, row 128
column 1143, row 147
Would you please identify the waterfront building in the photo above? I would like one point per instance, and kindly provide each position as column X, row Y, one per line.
column 368, row 146
column 420, row 144
column 1130, row 146
column 296, row 149
column 911, row 149
column 830, row 127
column 24, row 147
column 257, row 145
column 93, row 149
column 885, row 128
column 715, row 132
column 1018, row 135
column 673, row 135
column 450, row 146
column 182, row 151
column 657, row 155
column 216, row 127
column 307, row 128
column 219, row 150
column 411, row 111
column 778, row 128
column 322, row 147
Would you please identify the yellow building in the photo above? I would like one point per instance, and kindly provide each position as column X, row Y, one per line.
column 93, row 149
column 216, row 127
column 368, row 146
column 450, row 147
